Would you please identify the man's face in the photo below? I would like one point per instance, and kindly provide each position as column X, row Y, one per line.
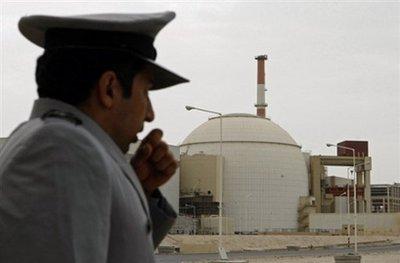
column 132, row 112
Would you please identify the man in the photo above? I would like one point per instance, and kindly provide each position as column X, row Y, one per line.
column 67, row 193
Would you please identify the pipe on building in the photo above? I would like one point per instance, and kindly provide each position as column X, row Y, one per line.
column 261, row 105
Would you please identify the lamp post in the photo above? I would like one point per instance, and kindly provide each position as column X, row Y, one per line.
column 354, row 189
column 348, row 205
column 189, row 108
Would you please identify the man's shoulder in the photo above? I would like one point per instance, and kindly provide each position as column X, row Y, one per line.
column 54, row 147
column 55, row 129
column 39, row 134
column 60, row 129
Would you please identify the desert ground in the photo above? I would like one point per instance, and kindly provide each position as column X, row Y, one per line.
column 190, row 244
column 263, row 242
column 387, row 257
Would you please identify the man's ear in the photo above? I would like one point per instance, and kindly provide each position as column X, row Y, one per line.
column 107, row 89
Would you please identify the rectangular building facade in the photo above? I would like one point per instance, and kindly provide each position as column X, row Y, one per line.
column 385, row 198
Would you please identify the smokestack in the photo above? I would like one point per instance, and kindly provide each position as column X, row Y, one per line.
column 261, row 105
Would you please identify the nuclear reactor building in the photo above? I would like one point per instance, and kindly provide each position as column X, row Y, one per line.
column 263, row 170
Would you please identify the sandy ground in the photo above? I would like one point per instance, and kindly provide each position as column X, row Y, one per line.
column 262, row 242
column 388, row 257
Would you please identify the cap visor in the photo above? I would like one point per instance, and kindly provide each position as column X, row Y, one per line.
column 163, row 78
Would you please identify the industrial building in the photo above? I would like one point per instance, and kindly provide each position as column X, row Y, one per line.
column 264, row 172
column 270, row 185
column 326, row 189
column 385, row 198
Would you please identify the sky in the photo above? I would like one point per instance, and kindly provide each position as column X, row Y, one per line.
column 332, row 73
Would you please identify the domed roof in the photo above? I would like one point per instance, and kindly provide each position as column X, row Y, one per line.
column 239, row 127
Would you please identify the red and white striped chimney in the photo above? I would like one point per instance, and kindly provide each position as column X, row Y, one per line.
column 261, row 105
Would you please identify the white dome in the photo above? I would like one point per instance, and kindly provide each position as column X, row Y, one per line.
column 264, row 172
column 240, row 127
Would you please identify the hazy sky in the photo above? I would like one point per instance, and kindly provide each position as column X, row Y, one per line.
column 332, row 73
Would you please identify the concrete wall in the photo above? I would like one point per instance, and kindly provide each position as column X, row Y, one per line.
column 372, row 223
column 200, row 172
column 262, row 183
column 210, row 225
column 341, row 204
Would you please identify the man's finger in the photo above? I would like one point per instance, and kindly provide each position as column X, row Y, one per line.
column 159, row 152
column 166, row 161
column 154, row 137
column 142, row 154
column 163, row 163
column 170, row 170
column 146, row 147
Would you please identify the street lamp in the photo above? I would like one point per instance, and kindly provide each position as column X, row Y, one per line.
column 354, row 189
column 348, row 205
column 189, row 108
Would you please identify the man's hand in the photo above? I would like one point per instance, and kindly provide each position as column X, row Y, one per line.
column 153, row 163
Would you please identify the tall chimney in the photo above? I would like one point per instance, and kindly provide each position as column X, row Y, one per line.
column 261, row 104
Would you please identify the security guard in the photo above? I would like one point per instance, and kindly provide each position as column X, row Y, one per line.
column 67, row 193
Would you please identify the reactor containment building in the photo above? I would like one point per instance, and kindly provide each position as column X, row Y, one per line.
column 263, row 169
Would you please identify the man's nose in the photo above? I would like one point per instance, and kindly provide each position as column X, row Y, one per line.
column 150, row 112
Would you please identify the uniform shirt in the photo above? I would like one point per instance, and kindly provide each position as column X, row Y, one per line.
column 67, row 194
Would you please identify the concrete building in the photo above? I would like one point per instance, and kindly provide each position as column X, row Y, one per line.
column 385, row 198
column 325, row 189
column 263, row 169
column 264, row 172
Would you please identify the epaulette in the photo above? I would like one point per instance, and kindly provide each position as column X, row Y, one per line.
column 62, row 115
